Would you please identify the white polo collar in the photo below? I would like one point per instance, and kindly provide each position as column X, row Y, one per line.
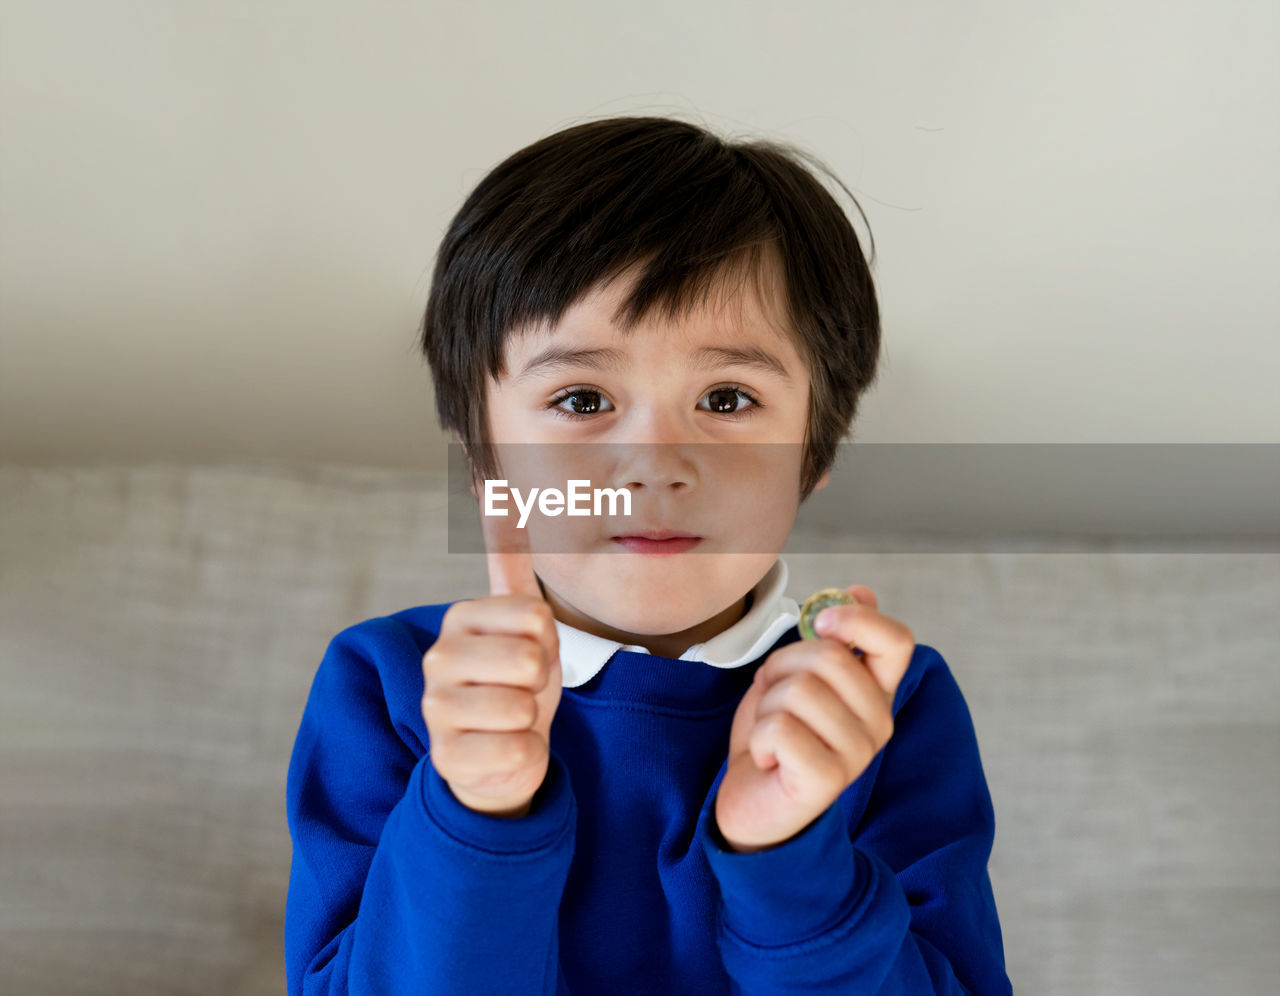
column 772, row 613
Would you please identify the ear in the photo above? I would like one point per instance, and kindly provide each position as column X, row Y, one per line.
column 823, row 481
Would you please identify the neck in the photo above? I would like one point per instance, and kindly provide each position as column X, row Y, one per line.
column 663, row 645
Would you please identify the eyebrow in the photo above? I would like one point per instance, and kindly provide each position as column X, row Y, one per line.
column 557, row 357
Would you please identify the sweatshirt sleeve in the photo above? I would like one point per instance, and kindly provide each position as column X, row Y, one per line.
column 395, row 886
column 902, row 902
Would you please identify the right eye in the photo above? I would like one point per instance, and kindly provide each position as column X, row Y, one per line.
column 571, row 393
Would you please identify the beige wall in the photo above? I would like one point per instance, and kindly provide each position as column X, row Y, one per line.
column 219, row 220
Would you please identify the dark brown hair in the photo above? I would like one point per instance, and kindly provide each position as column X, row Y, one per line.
column 574, row 209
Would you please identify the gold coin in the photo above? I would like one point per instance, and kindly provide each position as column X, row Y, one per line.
column 815, row 603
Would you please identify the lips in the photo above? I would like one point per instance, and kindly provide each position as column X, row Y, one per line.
column 656, row 534
column 662, row 547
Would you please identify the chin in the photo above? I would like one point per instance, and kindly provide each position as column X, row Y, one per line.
column 650, row 596
column 655, row 618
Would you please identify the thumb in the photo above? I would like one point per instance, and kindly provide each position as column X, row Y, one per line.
column 510, row 561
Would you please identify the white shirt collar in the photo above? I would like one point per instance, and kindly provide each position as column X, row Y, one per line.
column 772, row 613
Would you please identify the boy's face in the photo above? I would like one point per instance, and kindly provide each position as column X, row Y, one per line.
column 657, row 396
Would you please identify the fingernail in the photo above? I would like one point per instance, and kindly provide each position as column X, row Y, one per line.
column 824, row 622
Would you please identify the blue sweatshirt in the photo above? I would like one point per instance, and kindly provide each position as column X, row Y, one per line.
column 617, row 880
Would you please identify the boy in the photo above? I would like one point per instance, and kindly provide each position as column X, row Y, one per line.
column 630, row 774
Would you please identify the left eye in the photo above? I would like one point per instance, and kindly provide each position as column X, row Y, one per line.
column 730, row 392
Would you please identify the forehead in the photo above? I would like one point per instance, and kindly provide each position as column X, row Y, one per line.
column 743, row 308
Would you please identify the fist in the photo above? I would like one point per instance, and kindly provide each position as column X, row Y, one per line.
column 492, row 682
column 813, row 721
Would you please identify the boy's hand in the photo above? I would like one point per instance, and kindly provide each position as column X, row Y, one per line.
column 811, row 724
column 492, row 681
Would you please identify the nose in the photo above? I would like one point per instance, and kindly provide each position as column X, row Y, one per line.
column 655, row 466
column 655, row 455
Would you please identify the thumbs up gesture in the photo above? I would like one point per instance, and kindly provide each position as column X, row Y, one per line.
column 492, row 681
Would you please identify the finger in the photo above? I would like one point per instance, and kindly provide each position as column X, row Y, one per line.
column 843, row 731
column 510, row 562
column 886, row 643
column 487, row 658
column 483, row 707
column 485, row 756
column 864, row 595
column 833, row 663
column 808, row 767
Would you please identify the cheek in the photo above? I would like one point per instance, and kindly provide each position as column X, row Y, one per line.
column 758, row 508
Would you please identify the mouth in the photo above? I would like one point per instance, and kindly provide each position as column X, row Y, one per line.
column 656, row 534
column 658, row 541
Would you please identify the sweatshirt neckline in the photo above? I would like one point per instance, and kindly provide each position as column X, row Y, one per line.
column 769, row 614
